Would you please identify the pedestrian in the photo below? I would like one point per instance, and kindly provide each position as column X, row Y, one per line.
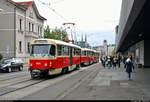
column 119, row 60
column 103, row 61
column 129, row 66
column 131, row 60
column 124, row 59
column 109, row 63
column 114, row 61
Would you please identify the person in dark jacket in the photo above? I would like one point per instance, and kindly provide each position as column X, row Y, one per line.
column 129, row 66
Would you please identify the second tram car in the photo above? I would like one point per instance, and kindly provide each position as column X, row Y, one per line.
column 49, row 57
column 88, row 56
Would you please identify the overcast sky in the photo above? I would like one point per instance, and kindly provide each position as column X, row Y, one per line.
column 96, row 18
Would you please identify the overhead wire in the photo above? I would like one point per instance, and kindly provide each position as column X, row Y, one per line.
column 48, row 5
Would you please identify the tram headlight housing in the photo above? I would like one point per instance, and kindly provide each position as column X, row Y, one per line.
column 30, row 64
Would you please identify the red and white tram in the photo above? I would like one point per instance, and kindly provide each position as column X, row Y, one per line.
column 96, row 56
column 49, row 57
column 89, row 56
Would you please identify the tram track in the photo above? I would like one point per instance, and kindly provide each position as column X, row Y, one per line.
column 29, row 86
column 8, row 76
column 13, row 81
column 12, row 78
column 23, row 84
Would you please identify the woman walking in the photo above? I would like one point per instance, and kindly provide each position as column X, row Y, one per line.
column 129, row 66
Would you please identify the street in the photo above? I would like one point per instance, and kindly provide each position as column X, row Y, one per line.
column 88, row 83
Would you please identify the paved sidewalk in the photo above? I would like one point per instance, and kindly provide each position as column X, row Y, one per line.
column 113, row 84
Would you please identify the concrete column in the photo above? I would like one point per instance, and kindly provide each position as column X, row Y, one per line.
column 146, row 54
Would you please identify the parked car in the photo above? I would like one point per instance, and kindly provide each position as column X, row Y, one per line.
column 9, row 65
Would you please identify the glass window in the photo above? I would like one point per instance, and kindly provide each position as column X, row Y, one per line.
column 41, row 50
column 52, row 50
column 28, row 46
column 32, row 27
column 29, row 27
column 59, row 50
column 20, row 22
column 83, row 53
column 20, row 46
column 66, row 51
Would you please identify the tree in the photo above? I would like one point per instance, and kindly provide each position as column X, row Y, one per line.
column 105, row 41
column 47, row 33
column 113, row 52
column 64, row 35
column 56, row 34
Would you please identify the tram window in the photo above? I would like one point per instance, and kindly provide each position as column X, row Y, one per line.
column 84, row 53
column 65, row 51
column 77, row 52
column 52, row 50
column 40, row 50
column 59, row 49
column 73, row 51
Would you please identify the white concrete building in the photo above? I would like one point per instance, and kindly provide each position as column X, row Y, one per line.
column 20, row 23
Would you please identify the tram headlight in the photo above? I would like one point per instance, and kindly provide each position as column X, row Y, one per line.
column 50, row 63
column 45, row 65
column 30, row 64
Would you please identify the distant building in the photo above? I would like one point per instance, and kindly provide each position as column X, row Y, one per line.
column 105, row 50
column 100, row 49
column 110, row 49
column 83, row 44
column 20, row 22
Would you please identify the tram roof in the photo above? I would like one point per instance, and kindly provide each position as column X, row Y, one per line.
column 52, row 41
column 86, row 49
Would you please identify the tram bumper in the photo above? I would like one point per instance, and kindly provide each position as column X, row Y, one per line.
column 36, row 73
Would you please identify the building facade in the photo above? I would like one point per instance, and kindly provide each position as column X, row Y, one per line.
column 132, row 34
column 110, row 49
column 20, row 23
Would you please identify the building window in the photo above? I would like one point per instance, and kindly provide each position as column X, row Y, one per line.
column 20, row 46
column 38, row 30
column 29, row 27
column 28, row 46
column 32, row 27
column 31, row 14
column 41, row 31
column 20, row 22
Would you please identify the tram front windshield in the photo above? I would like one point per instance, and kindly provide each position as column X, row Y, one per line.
column 43, row 50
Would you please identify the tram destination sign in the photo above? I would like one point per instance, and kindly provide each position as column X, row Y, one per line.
column 40, row 41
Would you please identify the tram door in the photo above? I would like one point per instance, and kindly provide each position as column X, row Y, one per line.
column 71, row 49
